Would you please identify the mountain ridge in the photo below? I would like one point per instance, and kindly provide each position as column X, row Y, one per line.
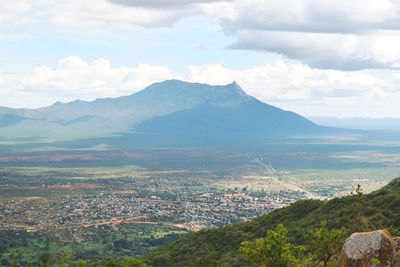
column 161, row 103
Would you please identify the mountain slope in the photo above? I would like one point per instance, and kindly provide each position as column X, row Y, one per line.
column 381, row 208
column 207, row 123
column 165, row 110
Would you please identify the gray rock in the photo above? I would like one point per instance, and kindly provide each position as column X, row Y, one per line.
column 361, row 248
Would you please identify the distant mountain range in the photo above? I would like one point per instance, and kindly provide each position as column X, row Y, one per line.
column 388, row 124
column 169, row 111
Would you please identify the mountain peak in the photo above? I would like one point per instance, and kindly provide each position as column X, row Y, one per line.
column 167, row 109
column 235, row 86
column 234, row 83
column 183, row 92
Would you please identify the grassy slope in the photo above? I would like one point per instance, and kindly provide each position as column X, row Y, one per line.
column 381, row 207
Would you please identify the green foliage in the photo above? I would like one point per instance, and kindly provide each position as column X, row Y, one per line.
column 274, row 250
column 15, row 257
column 380, row 209
column 126, row 262
column 375, row 262
column 360, row 222
column 324, row 243
column 45, row 260
column 81, row 263
column 104, row 242
column 208, row 260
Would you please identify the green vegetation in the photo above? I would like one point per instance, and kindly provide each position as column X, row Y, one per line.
column 273, row 250
column 91, row 243
column 67, row 260
column 380, row 209
column 325, row 243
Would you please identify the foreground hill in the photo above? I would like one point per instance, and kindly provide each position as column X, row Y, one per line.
column 163, row 112
column 380, row 209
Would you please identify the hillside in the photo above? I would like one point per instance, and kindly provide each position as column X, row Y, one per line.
column 380, row 209
column 161, row 113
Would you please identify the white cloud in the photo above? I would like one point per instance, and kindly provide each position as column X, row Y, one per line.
column 288, row 84
column 162, row 3
column 98, row 14
column 9, row 10
column 73, row 78
column 339, row 34
column 102, row 14
column 337, row 51
column 340, row 16
column 309, row 91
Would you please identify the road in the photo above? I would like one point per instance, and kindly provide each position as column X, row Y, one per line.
column 274, row 174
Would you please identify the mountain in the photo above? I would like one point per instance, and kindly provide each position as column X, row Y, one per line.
column 387, row 124
column 166, row 111
column 378, row 210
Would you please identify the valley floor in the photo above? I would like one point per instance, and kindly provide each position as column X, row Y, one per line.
column 80, row 197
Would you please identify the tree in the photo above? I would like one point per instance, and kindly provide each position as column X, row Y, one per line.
column 208, row 260
column 81, row 263
column 133, row 262
column 126, row 262
column 45, row 260
column 15, row 257
column 66, row 258
column 324, row 243
column 360, row 222
column 274, row 250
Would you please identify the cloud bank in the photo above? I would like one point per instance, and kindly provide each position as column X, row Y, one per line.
column 162, row 3
column 288, row 84
column 73, row 78
column 340, row 34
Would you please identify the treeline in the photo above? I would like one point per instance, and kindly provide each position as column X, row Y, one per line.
column 272, row 250
column 67, row 260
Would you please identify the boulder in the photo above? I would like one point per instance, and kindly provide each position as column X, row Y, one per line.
column 396, row 259
column 360, row 250
column 397, row 240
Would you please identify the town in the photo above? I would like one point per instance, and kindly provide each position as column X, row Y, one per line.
column 191, row 205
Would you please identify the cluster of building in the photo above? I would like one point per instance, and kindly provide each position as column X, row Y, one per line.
column 196, row 209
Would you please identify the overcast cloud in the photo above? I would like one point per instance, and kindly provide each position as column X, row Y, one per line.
column 340, row 34
column 162, row 3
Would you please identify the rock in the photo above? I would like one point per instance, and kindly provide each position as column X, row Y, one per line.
column 397, row 240
column 396, row 259
column 360, row 250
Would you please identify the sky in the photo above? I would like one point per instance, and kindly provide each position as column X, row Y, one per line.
column 315, row 57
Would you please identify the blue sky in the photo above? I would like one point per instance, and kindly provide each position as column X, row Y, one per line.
column 326, row 58
column 193, row 40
